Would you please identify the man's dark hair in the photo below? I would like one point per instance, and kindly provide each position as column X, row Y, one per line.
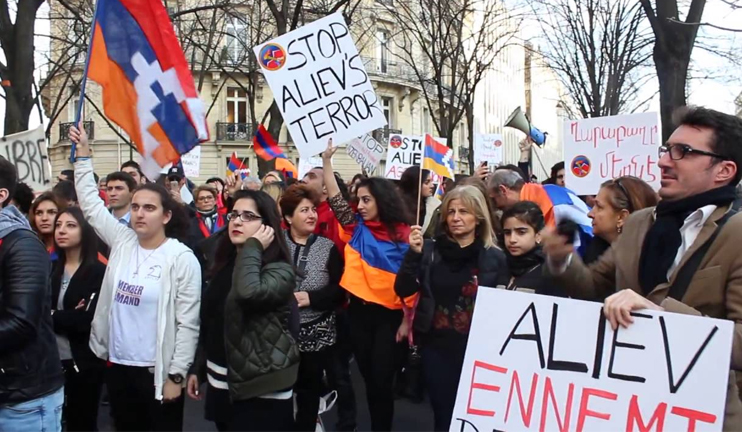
column 8, row 179
column 68, row 174
column 124, row 177
column 727, row 138
column 23, row 197
column 65, row 191
column 97, row 179
column 132, row 164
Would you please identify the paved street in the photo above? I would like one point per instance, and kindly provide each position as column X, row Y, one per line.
column 408, row 416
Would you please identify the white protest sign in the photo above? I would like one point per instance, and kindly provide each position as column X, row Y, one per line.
column 306, row 165
column 192, row 162
column 320, row 85
column 402, row 152
column 603, row 148
column 27, row 151
column 535, row 362
column 488, row 147
column 366, row 152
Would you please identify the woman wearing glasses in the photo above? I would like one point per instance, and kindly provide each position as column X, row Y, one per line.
column 616, row 200
column 245, row 351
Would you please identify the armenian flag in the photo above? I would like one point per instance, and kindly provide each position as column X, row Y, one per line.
column 438, row 158
column 236, row 165
column 286, row 167
column 148, row 88
column 265, row 146
column 372, row 260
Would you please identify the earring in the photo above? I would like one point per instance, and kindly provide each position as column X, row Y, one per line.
column 619, row 229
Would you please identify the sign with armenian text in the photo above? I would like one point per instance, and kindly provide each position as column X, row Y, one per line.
column 321, row 87
column 603, row 148
column 536, row 362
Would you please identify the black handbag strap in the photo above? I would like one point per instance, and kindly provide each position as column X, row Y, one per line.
column 302, row 264
column 685, row 274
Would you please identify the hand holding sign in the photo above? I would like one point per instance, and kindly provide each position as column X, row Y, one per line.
column 80, row 137
column 618, row 307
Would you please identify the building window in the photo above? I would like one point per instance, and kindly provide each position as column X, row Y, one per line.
column 236, row 38
column 426, row 120
column 74, row 103
column 236, row 105
column 386, row 104
column 382, row 51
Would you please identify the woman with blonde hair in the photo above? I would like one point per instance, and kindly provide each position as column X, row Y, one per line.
column 447, row 272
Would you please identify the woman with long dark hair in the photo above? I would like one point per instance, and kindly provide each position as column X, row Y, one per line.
column 42, row 214
column 447, row 272
column 76, row 280
column 246, row 353
column 146, row 323
column 411, row 186
column 377, row 242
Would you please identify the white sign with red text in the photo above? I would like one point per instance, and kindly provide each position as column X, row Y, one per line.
column 603, row 148
column 488, row 148
column 536, row 362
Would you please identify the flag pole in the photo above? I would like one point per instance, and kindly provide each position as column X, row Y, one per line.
column 420, row 181
column 83, row 83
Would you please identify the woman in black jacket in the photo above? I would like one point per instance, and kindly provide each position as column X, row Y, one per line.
column 522, row 224
column 245, row 352
column 447, row 272
column 319, row 269
column 76, row 280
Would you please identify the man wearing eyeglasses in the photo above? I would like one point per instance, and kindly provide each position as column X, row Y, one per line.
column 689, row 258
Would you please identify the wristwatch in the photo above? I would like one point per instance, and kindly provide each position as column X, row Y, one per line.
column 177, row 379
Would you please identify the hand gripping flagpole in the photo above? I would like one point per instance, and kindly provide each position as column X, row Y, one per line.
column 83, row 83
column 420, row 181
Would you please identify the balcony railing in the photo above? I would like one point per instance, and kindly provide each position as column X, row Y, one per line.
column 64, row 130
column 234, row 131
column 382, row 135
column 389, row 68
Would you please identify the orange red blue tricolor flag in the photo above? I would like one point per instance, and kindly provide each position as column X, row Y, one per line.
column 438, row 158
column 147, row 84
column 236, row 165
column 265, row 146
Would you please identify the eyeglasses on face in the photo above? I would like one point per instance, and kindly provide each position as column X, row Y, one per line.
column 245, row 216
column 679, row 151
column 206, row 198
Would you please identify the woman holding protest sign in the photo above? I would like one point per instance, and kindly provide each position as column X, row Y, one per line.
column 146, row 322
column 616, row 200
column 447, row 272
column 377, row 241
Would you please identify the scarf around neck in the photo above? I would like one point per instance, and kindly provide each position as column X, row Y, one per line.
column 457, row 257
column 664, row 239
column 520, row 265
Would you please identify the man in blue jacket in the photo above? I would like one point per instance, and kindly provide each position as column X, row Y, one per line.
column 31, row 379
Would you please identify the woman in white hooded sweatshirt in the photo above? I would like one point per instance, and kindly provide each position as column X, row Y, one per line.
column 147, row 320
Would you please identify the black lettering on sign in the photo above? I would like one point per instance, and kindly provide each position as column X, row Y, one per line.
column 619, row 344
column 560, row 364
column 671, row 381
column 465, row 423
column 333, row 109
column 301, row 128
column 40, row 143
column 363, row 78
column 316, row 125
column 339, row 31
column 287, row 96
column 304, row 62
column 323, row 84
column 535, row 336
column 18, row 158
column 600, row 341
column 323, row 47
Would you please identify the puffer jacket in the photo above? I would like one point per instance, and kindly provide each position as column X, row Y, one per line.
column 29, row 361
column 262, row 356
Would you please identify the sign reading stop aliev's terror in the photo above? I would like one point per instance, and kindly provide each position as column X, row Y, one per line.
column 27, row 151
column 603, row 148
column 321, row 87
column 536, row 362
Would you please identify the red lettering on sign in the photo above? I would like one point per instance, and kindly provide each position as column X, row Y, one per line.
column 549, row 394
column 525, row 413
column 635, row 417
column 585, row 412
column 480, row 386
column 693, row 416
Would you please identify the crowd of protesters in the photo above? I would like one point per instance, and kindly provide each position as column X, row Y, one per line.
column 256, row 294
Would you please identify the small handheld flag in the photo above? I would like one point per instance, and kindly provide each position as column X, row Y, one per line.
column 438, row 158
column 237, row 166
column 286, row 167
column 265, row 146
column 147, row 84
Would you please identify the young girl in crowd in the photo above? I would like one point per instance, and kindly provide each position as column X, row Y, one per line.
column 447, row 272
column 319, row 268
column 410, row 186
column 146, row 322
column 377, row 241
column 521, row 225
column 43, row 211
column 246, row 353
column 616, row 200
column 76, row 280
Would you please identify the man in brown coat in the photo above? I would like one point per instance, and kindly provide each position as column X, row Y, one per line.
column 693, row 226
